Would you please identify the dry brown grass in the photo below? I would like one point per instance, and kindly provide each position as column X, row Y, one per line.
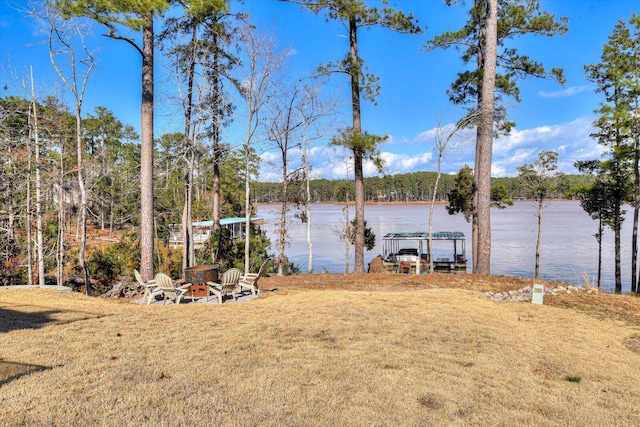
column 409, row 351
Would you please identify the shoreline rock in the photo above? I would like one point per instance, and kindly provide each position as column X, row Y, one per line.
column 524, row 294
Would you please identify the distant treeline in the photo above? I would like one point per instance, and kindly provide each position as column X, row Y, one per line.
column 407, row 187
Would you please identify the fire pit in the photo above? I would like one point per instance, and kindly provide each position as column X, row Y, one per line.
column 198, row 276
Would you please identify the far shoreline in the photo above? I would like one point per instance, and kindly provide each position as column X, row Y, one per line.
column 406, row 203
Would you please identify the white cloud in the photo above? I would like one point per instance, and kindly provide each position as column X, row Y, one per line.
column 402, row 163
column 571, row 140
column 340, row 170
column 391, row 140
column 497, row 170
column 326, row 162
column 426, row 136
column 269, row 175
column 269, row 157
column 570, row 91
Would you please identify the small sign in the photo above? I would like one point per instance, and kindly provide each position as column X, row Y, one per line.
column 537, row 295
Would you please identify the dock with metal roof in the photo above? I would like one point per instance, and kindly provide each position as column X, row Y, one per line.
column 202, row 230
column 408, row 251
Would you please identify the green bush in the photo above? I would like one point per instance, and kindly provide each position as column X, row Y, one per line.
column 102, row 268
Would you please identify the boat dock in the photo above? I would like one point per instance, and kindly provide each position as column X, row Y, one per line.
column 408, row 252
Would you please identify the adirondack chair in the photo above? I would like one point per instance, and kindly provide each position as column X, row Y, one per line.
column 250, row 281
column 168, row 289
column 149, row 287
column 227, row 286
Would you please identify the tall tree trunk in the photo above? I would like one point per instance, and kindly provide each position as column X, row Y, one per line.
column 247, row 209
column 146, row 153
column 307, row 200
column 216, row 186
column 62, row 226
column 83, row 203
column 358, row 265
column 189, row 256
column 600, row 231
column 539, row 239
column 28, row 210
column 484, row 143
column 282, row 235
column 112, row 214
column 36, row 139
column 12, row 199
column 347, row 233
column 217, row 148
column 617, row 239
column 441, row 149
column 188, row 245
column 636, row 211
column 636, row 177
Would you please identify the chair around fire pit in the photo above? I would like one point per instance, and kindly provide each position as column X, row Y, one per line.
column 227, row 286
column 250, row 281
column 149, row 286
column 167, row 287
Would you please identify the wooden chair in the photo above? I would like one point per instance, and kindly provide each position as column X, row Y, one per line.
column 250, row 281
column 168, row 289
column 149, row 286
column 227, row 286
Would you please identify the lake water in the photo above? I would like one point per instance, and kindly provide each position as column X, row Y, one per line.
column 569, row 249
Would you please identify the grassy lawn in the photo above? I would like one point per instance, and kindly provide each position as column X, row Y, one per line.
column 315, row 357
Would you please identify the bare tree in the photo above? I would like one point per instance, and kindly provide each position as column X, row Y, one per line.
column 14, row 178
column 345, row 230
column 306, row 166
column 283, row 130
column 34, row 131
column 73, row 61
column 260, row 70
column 312, row 111
column 294, row 115
column 443, row 138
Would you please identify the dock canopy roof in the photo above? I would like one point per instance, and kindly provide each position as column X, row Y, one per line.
column 225, row 221
column 424, row 235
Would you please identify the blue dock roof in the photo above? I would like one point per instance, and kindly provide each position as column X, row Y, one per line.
column 225, row 221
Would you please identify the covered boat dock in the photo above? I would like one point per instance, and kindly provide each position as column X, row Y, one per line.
column 408, row 251
column 202, row 230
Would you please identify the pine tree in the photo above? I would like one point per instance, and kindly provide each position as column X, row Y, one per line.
column 614, row 126
column 354, row 15
column 496, row 69
column 137, row 16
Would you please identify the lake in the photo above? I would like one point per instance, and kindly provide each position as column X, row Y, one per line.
column 569, row 250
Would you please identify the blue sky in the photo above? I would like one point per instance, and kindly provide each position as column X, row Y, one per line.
column 413, row 101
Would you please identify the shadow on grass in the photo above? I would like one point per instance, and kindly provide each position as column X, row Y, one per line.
column 10, row 371
column 33, row 317
column 14, row 319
